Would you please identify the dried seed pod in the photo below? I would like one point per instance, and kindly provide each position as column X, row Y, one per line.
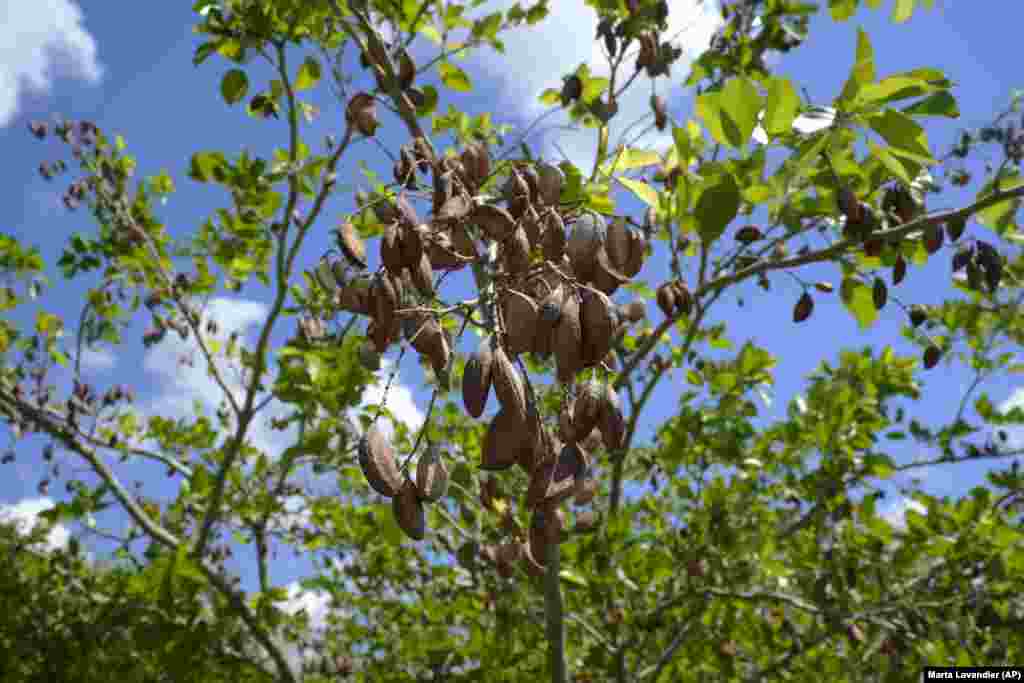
column 354, row 297
column 571, row 464
column 516, row 252
column 660, row 109
column 381, row 336
column 509, row 386
column 566, row 429
column 567, row 340
column 634, row 311
column 932, row 355
column 377, row 460
column 592, row 441
column 552, row 241
column 406, row 70
column 618, row 244
column 431, row 475
column 666, row 298
column 549, row 184
column 605, row 277
column 442, row 254
column 412, row 239
column 361, row 113
column 531, row 224
column 684, row 300
column 391, row 252
column 423, row 276
column 351, row 244
column 502, row 442
column 879, row 294
column 803, row 308
column 455, row 208
column 534, row 447
column 588, row 235
column 598, row 325
column 587, row 407
column 476, row 379
column 899, row 270
column 520, row 317
column 540, row 479
column 586, row 521
column 585, row 490
column 408, row 511
column 548, row 314
column 496, row 222
column 428, row 338
column 610, row 420
column 384, row 297
column 637, row 254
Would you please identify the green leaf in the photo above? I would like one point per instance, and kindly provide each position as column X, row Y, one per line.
column 455, row 78
column 902, row 10
column 629, row 158
column 857, row 298
column 717, row 206
column 234, row 85
column 309, row 75
column 902, row 133
column 937, row 104
column 841, row 10
column 570, row 576
column 647, row 194
column 730, row 115
column 891, row 163
column 863, row 71
column 782, row 107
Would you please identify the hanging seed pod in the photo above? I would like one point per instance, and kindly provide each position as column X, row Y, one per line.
column 431, row 475
column 587, row 408
column 637, row 254
column 660, row 110
column 391, row 248
column 463, row 244
column 803, row 308
column 455, row 208
column 530, row 223
column 610, row 420
column 879, row 294
column 519, row 313
column 917, row 315
column 932, row 238
column 572, row 464
column 429, row 340
column 567, row 340
column 605, row 276
column 552, row 240
column 585, row 490
column 566, row 428
column 932, row 355
column 507, row 555
column 442, row 254
column 549, row 184
column 502, row 442
column 634, row 311
column 383, row 337
column 548, row 314
column 899, row 270
column 533, row 567
column 377, row 460
column 412, row 238
column 362, row 114
column 684, row 300
column 406, row 70
column 476, row 379
column 666, row 298
column 508, row 386
column 588, row 235
column 384, row 297
column 534, row 448
column 423, row 276
column 351, row 245
column 598, row 325
column 494, row 221
column 618, row 245
column 408, row 511
column 516, row 252
column 354, row 297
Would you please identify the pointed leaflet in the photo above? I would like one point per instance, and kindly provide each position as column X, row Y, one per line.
column 858, row 299
column 454, row 77
column 234, row 85
column 647, row 194
column 903, row 134
column 730, row 114
column 717, row 205
column 863, row 71
column 782, row 106
column 308, row 76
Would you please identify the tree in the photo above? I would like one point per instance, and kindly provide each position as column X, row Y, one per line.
column 509, row 548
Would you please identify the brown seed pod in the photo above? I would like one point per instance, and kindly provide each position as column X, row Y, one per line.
column 406, row 70
column 519, row 313
column 549, row 184
column 899, row 270
column 586, row 521
column 377, row 460
column 879, row 294
column 429, row 340
column 383, row 337
column 361, row 113
column 412, row 239
column 516, row 252
column 585, row 490
column 351, row 245
column 494, row 221
column 502, row 442
column 932, row 355
column 455, row 208
column 587, row 408
column 634, row 311
column 592, row 441
column 660, row 109
column 587, row 236
column 610, row 420
column 637, row 254
column 476, row 379
column 391, row 248
column 571, row 464
column 509, row 386
column 409, row 513
column 423, row 276
column 684, row 300
column 442, row 254
column 566, row 429
column 552, row 241
column 666, row 298
column 605, row 276
column 354, row 297
column 531, row 224
column 431, row 475
column 507, row 555
column 540, row 480
column 567, row 341
column 598, row 325
column 534, row 447
column 618, row 245
column 803, row 308
column 384, row 297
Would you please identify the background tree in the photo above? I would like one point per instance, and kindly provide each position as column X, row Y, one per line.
column 732, row 545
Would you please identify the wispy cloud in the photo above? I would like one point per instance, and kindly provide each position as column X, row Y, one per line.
column 896, row 513
column 41, row 39
column 25, row 515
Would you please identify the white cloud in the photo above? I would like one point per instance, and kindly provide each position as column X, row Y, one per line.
column 98, row 360
column 25, row 515
column 896, row 514
column 400, row 400
column 42, row 38
column 1014, row 433
column 537, row 57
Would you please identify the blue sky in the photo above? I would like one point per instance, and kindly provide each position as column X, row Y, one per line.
column 128, row 67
